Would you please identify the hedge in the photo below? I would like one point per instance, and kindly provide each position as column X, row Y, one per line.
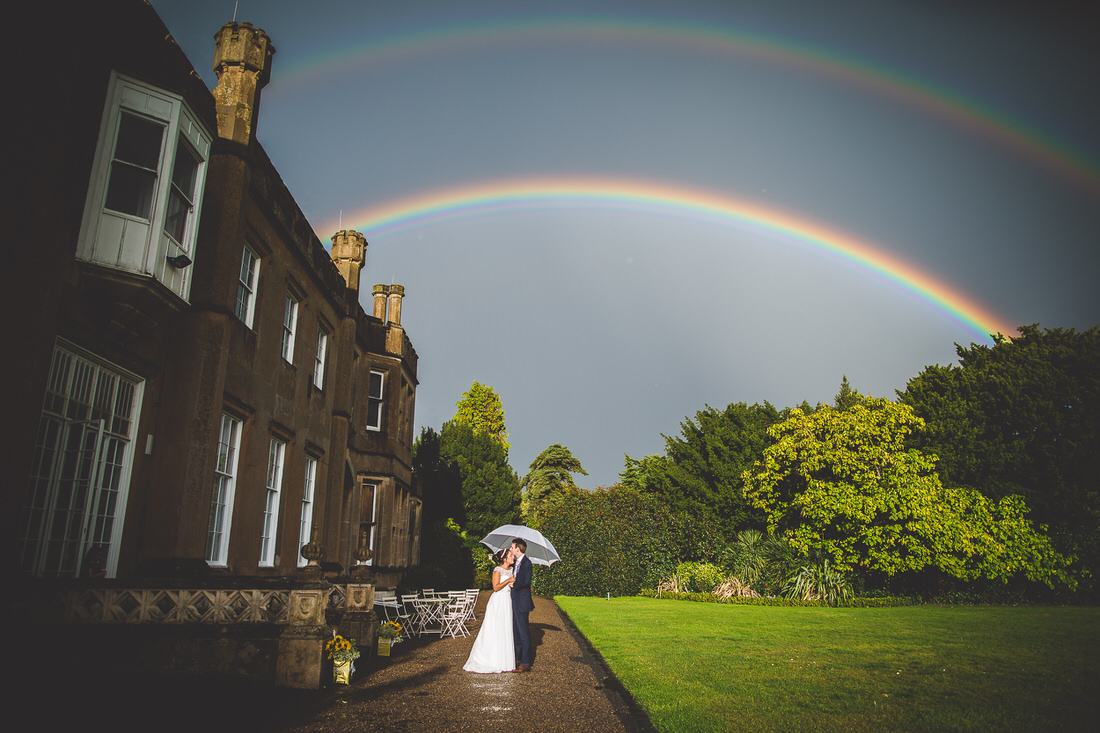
column 884, row 602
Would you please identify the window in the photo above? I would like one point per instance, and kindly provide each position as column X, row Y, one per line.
column 181, row 195
column 76, row 497
column 368, row 515
column 246, row 287
column 142, row 208
column 305, row 532
column 290, row 323
column 374, row 400
column 221, row 504
column 271, row 503
column 319, row 363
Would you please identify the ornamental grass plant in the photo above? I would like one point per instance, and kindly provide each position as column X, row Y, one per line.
column 720, row 666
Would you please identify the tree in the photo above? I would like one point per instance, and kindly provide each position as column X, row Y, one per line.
column 701, row 471
column 490, row 488
column 482, row 410
column 549, row 481
column 1022, row 418
column 439, row 480
column 840, row 483
column 846, row 397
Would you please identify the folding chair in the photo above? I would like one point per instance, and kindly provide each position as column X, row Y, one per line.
column 406, row 614
column 387, row 599
column 471, row 595
column 454, row 618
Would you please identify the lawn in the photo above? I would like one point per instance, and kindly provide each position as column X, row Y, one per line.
column 703, row 666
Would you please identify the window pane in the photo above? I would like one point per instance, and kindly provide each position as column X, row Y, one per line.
column 131, row 190
column 139, row 141
column 134, row 168
column 246, row 287
column 181, row 197
column 185, row 170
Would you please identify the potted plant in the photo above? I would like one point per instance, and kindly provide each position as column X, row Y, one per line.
column 342, row 652
column 389, row 634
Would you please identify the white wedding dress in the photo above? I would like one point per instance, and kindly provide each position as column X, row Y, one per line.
column 494, row 651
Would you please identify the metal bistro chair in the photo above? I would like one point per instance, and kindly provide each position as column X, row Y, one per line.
column 454, row 617
column 406, row 614
column 387, row 599
column 472, row 594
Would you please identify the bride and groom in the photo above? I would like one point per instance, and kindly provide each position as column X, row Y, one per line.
column 504, row 642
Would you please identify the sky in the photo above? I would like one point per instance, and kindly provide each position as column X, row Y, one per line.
column 616, row 214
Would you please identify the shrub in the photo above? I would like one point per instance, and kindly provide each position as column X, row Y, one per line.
column 613, row 540
column 699, row 577
column 819, row 581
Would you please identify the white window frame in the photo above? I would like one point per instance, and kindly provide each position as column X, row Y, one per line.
column 132, row 242
column 373, row 537
column 83, row 459
column 275, row 456
column 246, row 286
column 319, row 362
column 225, row 489
column 290, row 326
column 309, row 486
column 375, row 399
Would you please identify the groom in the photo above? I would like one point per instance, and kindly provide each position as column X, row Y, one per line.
column 521, row 605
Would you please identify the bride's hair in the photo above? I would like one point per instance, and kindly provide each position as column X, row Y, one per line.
column 498, row 557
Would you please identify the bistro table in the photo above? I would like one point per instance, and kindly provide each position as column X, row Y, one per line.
column 429, row 612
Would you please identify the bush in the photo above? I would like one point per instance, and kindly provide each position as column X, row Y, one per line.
column 699, row 577
column 884, row 602
column 819, row 581
column 613, row 540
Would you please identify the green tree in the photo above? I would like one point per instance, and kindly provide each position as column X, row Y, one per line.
column 846, row 397
column 840, row 483
column 439, row 480
column 1022, row 418
column 701, row 471
column 490, row 488
column 549, row 481
column 482, row 410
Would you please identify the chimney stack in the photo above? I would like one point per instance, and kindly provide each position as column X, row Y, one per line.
column 397, row 292
column 349, row 252
column 242, row 61
column 380, row 302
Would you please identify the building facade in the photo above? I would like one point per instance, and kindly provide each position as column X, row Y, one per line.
column 196, row 387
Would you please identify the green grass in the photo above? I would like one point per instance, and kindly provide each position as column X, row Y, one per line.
column 703, row 667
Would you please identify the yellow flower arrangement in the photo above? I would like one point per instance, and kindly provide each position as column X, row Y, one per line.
column 341, row 650
column 390, row 630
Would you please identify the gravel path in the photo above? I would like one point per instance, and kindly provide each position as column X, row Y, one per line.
column 422, row 687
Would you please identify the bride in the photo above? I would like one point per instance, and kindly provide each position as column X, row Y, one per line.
column 494, row 650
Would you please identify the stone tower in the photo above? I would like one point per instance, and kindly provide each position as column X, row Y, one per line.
column 349, row 253
column 242, row 61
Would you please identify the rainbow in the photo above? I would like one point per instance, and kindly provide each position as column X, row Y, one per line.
column 493, row 197
column 988, row 124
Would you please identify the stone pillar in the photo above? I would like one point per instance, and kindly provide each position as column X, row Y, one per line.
column 395, row 334
column 349, row 253
column 359, row 619
column 302, row 661
column 397, row 292
column 242, row 61
column 380, row 292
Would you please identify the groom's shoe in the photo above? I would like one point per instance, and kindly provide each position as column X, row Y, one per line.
column 522, row 668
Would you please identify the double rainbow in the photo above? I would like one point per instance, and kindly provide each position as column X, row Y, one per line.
column 988, row 124
column 492, row 197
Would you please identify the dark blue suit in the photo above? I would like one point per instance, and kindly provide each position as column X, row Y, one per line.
column 522, row 605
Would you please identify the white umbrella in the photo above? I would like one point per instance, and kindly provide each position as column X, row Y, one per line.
column 539, row 549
